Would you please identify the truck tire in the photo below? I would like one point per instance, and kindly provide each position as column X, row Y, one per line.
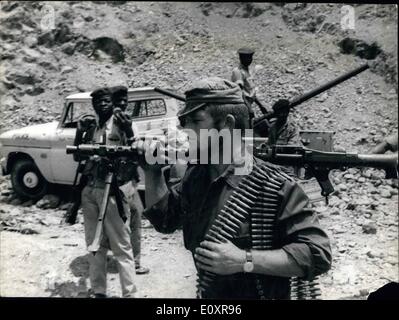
column 27, row 181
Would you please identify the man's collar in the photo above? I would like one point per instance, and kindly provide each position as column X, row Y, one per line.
column 106, row 124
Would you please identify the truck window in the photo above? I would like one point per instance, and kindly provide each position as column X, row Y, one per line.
column 146, row 108
column 76, row 110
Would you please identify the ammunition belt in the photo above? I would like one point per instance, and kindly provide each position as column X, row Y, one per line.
column 255, row 200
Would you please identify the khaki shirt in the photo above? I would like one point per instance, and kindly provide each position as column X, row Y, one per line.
column 113, row 135
column 95, row 168
column 244, row 78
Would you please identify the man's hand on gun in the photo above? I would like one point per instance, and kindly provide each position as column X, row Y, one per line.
column 151, row 148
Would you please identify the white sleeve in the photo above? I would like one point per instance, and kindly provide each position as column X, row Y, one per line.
column 236, row 77
column 135, row 129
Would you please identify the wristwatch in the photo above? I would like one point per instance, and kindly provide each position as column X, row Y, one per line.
column 248, row 265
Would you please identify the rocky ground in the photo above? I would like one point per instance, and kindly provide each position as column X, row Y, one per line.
column 298, row 46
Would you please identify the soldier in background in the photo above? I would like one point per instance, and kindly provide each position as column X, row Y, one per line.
column 243, row 76
column 111, row 128
column 282, row 130
column 120, row 100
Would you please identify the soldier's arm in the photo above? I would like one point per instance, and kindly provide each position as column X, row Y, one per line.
column 162, row 201
column 293, row 134
column 304, row 247
column 292, row 259
column 226, row 258
column 79, row 139
column 302, row 237
column 236, row 77
column 305, row 250
column 155, row 187
column 276, row 263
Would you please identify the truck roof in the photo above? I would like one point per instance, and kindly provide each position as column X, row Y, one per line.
column 145, row 92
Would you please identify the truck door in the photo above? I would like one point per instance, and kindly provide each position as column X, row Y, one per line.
column 148, row 115
column 63, row 165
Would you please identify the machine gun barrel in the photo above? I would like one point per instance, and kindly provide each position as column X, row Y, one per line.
column 114, row 152
column 312, row 93
column 103, row 150
column 301, row 156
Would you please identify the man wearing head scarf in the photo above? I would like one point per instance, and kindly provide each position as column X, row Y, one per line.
column 199, row 200
column 243, row 76
column 130, row 181
column 112, row 129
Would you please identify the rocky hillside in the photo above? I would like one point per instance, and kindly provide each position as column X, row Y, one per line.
column 52, row 49
column 168, row 44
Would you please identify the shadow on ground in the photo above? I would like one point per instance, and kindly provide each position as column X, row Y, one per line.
column 80, row 288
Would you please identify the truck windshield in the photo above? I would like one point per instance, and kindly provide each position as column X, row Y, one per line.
column 135, row 109
column 75, row 111
column 146, row 108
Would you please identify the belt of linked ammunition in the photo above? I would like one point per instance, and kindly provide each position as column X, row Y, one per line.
column 256, row 200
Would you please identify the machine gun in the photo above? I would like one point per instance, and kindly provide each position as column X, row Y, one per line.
column 110, row 156
column 320, row 163
column 282, row 107
column 110, row 152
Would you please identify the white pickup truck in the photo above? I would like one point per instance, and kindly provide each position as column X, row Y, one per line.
column 35, row 156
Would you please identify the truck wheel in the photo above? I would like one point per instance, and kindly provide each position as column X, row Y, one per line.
column 27, row 181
